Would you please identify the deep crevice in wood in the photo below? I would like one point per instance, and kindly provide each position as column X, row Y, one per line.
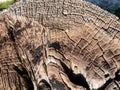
column 77, row 79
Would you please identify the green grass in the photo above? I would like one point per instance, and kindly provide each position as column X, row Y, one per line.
column 4, row 5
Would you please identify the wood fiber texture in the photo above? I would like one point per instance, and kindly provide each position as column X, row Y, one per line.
column 79, row 48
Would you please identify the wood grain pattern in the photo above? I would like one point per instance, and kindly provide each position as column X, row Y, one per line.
column 74, row 45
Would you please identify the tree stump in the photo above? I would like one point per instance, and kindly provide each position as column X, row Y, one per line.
column 68, row 45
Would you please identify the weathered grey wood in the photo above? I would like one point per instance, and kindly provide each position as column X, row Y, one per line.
column 80, row 49
column 65, row 13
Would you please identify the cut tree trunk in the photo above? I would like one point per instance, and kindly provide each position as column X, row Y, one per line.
column 74, row 48
column 33, row 57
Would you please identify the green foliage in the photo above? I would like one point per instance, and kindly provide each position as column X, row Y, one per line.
column 117, row 12
column 4, row 5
